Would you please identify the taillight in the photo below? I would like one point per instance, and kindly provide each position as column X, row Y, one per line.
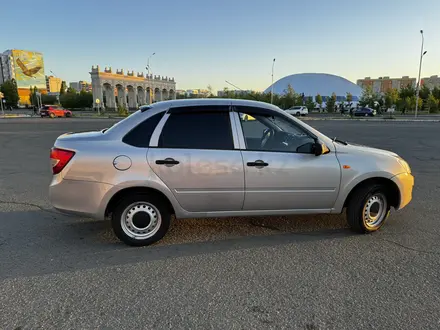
column 59, row 159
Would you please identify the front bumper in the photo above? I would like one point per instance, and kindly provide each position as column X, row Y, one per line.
column 405, row 182
column 78, row 197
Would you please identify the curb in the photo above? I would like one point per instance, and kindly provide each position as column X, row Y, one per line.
column 14, row 116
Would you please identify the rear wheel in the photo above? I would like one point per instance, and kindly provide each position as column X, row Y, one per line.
column 141, row 219
column 368, row 208
column 68, row 115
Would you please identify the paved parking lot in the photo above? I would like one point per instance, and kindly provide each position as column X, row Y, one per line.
column 303, row 272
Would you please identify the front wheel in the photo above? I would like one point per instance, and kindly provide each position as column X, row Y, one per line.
column 368, row 208
column 52, row 115
column 141, row 220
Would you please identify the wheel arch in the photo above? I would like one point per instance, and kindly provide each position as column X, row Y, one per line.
column 391, row 190
column 119, row 195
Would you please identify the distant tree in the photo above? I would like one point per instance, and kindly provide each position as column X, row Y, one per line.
column 71, row 90
column 84, row 99
column 349, row 99
column 318, row 99
column 331, row 102
column 10, row 92
column 288, row 99
column 310, row 104
column 406, row 104
column 424, row 92
column 407, row 91
column 63, row 87
column 391, row 98
column 436, row 93
column 210, row 91
column 31, row 91
column 369, row 98
column 48, row 99
column 433, row 104
column 366, row 96
column 413, row 102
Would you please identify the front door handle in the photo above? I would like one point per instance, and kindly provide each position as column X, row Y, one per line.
column 167, row 161
column 258, row 163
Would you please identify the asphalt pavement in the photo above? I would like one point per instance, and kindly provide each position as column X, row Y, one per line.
column 298, row 272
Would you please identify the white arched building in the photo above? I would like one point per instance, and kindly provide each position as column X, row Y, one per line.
column 311, row 84
column 130, row 90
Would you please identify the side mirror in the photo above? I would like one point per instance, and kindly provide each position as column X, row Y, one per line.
column 318, row 149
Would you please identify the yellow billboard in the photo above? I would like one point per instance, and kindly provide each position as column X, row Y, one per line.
column 29, row 69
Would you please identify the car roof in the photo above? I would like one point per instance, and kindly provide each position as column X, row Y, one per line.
column 210, row 101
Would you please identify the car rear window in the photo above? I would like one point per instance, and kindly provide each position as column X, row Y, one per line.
column 140, row 135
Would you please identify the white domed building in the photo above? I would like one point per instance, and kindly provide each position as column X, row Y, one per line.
column 311, row 84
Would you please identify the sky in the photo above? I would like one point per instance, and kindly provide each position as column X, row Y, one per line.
column 202, row 43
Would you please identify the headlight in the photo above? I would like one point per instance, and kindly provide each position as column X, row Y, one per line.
column 404, row 165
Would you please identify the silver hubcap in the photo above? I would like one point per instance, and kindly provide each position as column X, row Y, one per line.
column 375, row 210
column 141, row 220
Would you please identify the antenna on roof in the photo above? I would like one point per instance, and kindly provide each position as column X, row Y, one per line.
column 240, row 89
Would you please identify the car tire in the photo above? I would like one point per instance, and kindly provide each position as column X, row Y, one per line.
column 52, row 115
column 298, row 114
column 141, row 219
column 68, row 115
column 362, row 217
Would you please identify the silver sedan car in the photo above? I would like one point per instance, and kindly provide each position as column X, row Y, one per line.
column 200, row 158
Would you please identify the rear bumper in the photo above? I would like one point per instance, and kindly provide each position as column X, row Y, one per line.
column 78, row 197
column 405, row 182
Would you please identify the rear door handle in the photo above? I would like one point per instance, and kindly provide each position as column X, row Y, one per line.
column 258, row 163
column 167, row 161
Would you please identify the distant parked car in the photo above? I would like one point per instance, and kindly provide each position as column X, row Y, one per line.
column 53, row 111
column 366, row 112
column 298, row 111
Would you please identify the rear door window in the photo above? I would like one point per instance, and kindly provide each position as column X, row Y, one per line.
column 197, row 130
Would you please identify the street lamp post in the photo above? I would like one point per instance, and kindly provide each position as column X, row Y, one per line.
column 148, row 63
column 58, row 86
column 1, row 103
column 422, row 53
column 271, row 92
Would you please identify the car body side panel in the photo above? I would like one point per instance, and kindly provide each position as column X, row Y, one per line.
column 291, row 181
column 204, row 180
column 358, row 165
column 77, row 196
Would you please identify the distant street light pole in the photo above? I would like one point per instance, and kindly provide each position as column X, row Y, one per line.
column 422, row 53
column 1, row 103
column 271, row 93
column 58, row 86
column 148, row 63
